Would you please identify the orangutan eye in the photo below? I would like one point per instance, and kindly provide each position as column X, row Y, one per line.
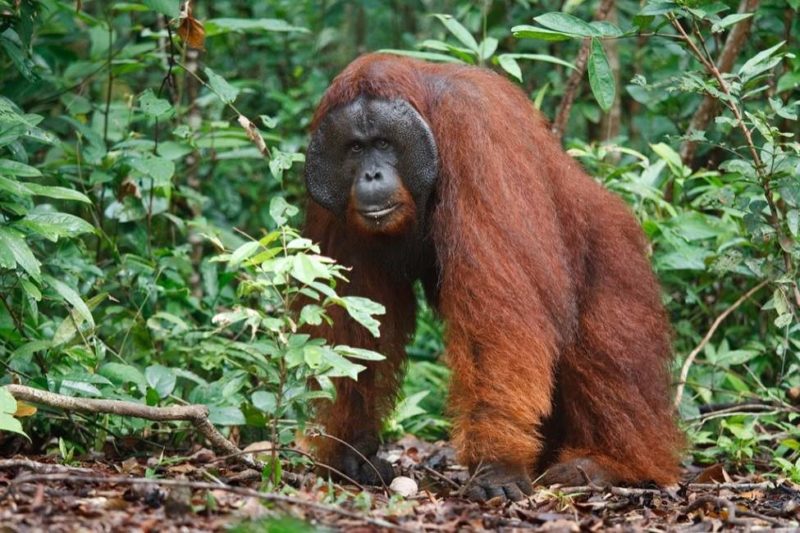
column 382, row 144
column 356, row 147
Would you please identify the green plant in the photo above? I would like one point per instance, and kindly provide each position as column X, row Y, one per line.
column 284, row 287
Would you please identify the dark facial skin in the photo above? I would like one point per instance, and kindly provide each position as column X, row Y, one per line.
column 375, row 180
column 373, row 162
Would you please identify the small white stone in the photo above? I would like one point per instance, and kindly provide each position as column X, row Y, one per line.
column 404, row 486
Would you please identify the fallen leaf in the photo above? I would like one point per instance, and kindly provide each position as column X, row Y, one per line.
column 713, row 474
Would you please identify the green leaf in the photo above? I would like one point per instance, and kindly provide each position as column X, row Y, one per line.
column 427, row 56
column 729, row 20
column 153, row 106
column 161, row 379
column 224, row 90
column 683, row 258
column 74, row 387
column 19, row 58
column 735, row 357
column 243, row 252
column 72, row 297
column 280, row 210
column 307, row 268
column 673, row 159
column 487, row 48
column 281, row 161
column 606, row 29
column 14, row 187
column 340, row 367
column 658, row 7
column 601, row 79
column 784, row 320
column 219, row 26
column 15, row 168
column 9, row 423
column 312, row 314
column 760, row 62
column 170, row 8
column 525, row 31
column 362, row 311
column 74, row 321
column 465, row 54
column 409, row 406
column 265, row 401
column 359, row 353
column 312, row 356
column 26, row 350
column 8, row 404
column 58, row 193
column 460, row 32
column 7, row 259
column 31, row 289
column 568, row 24
column 121, row 374
column 54, row 225
column 225, row 416
column 510, row 65
column 159, row 169
column 13, row 245
column 542, row 57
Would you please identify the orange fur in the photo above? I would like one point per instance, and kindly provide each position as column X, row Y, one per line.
column 556, row 335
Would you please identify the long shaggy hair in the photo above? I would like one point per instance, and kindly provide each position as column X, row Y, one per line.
column 556, row 334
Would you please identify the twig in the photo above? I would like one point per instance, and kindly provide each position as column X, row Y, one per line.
column 732, row 486
column 14, row 318
column 41, row 468
column 720, row 503
column 752, row 404
column 196, row 414
column 616, row 491
column 744, row 409
column 441, row 476
column 361, row 455
column 463, row 490
column 574, row 81
column 593, row 487
column 197, row 485
column 707, row 109
column 109, row 81
column 304, row 454
column 693, row 354
column 768, row 519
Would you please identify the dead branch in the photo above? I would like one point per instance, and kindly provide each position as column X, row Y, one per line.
column 730, row 51
column 196, row 414
column 574, row 81
column 198, row 485
column 744, row 409
column 616, row 491
column 733, row 486
column 691, row 357
column 41, row 468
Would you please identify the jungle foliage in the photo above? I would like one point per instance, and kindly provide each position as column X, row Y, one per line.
column 151, row 198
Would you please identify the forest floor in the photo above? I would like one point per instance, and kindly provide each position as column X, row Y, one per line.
column 202, row 492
